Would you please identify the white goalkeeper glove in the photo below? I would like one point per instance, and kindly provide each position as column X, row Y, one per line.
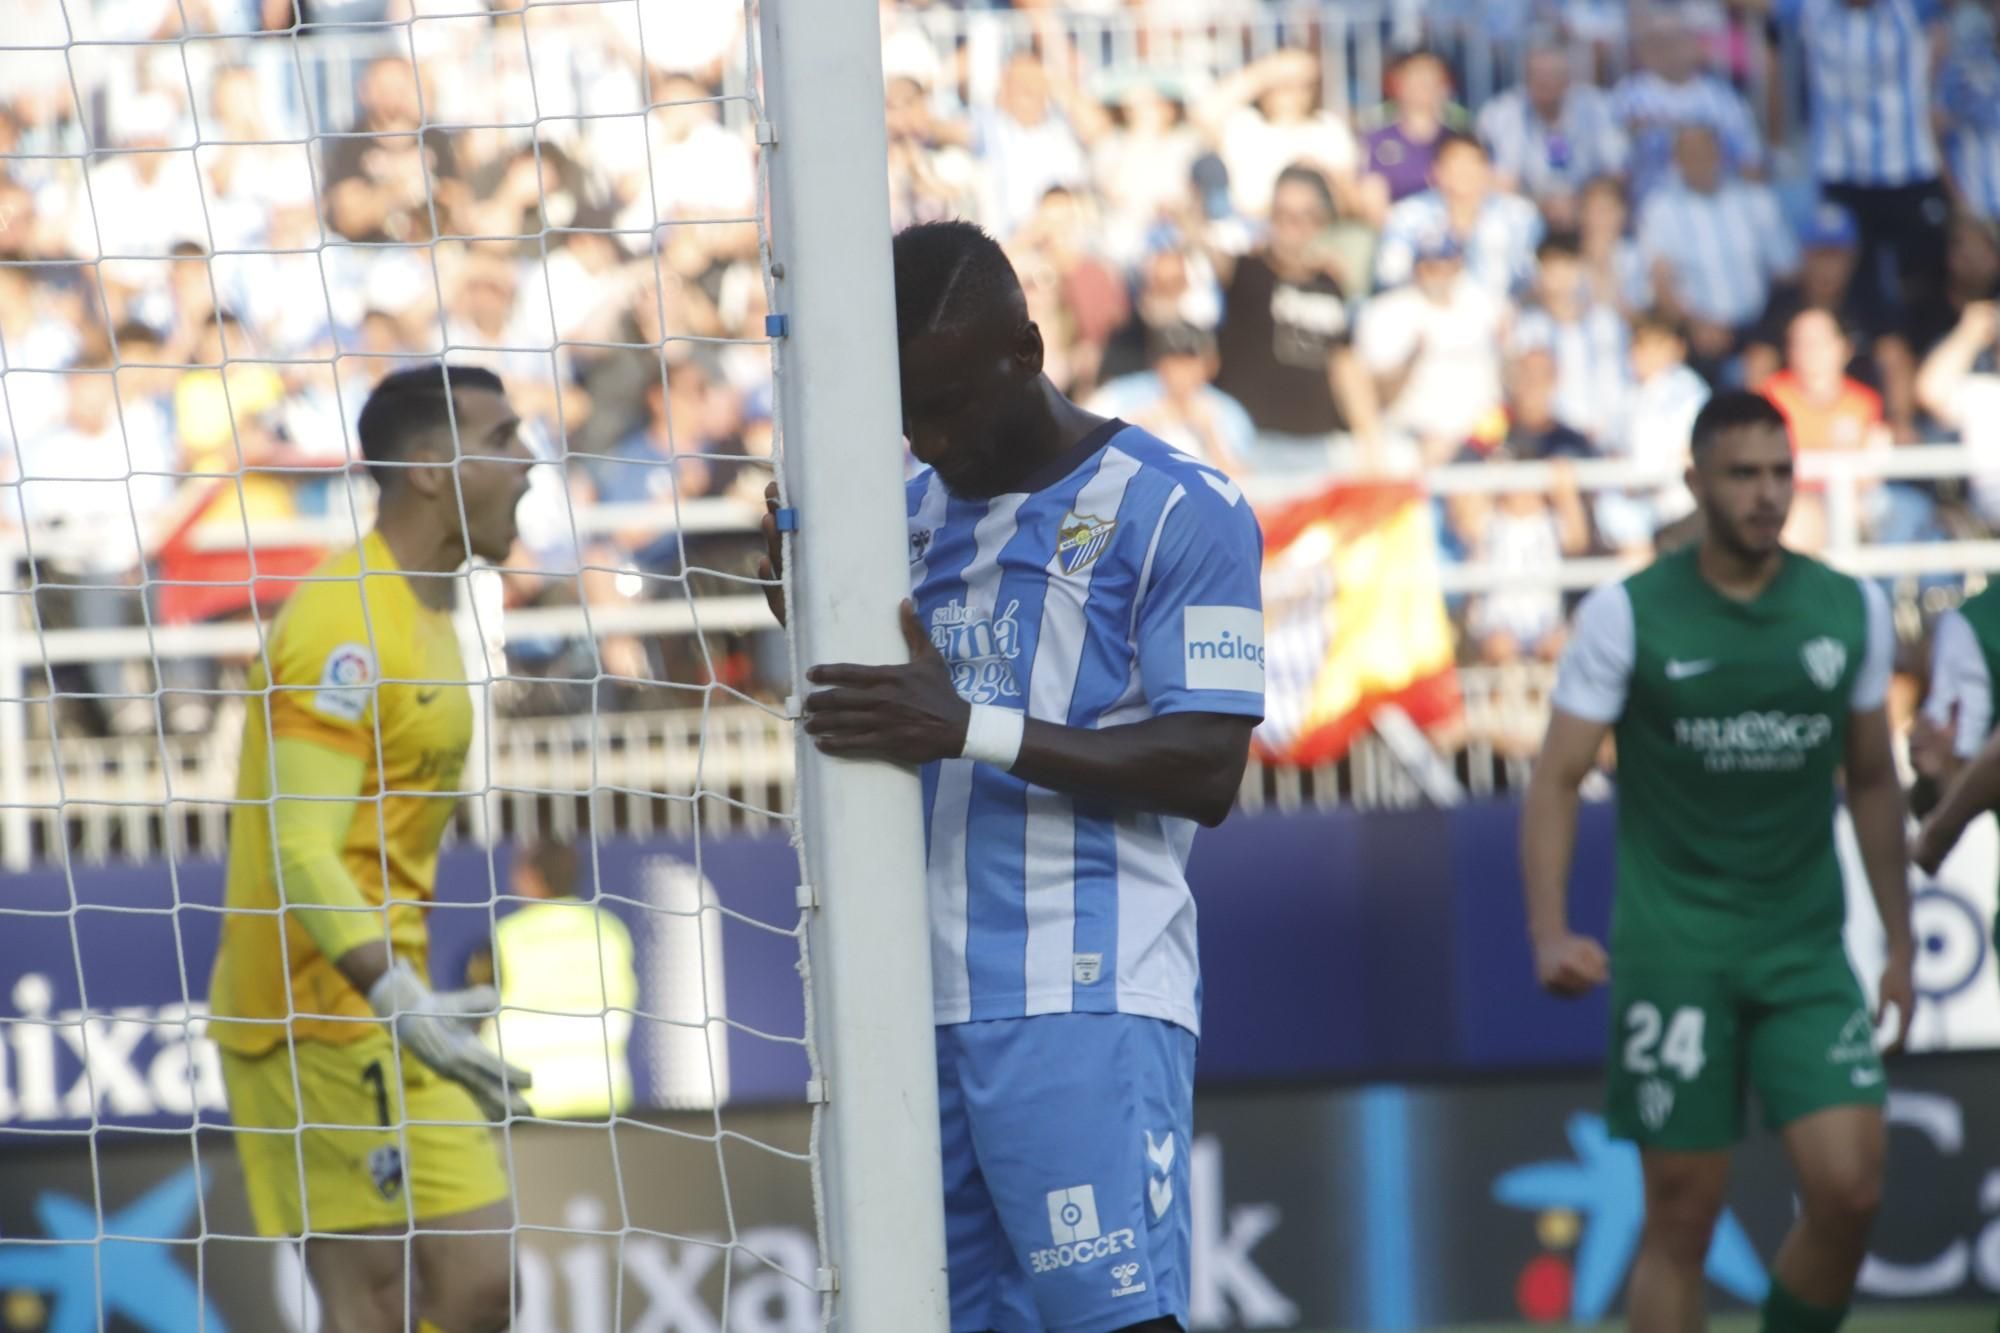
column 440, row 1029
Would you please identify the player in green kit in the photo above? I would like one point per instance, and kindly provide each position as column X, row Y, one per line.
column 1954, row 744
column 1740, row 681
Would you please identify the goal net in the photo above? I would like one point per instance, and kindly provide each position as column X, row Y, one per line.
column 223, row 223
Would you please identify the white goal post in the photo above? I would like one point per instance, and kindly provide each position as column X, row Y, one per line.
column 847, row 571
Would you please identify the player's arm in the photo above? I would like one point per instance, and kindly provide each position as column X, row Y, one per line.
column 1198, row 632
column 1957, row 712
column 1591, row 689
column 1875, row 803
column 323, row 729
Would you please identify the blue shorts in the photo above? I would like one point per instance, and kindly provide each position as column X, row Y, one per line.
column 1066, row 1147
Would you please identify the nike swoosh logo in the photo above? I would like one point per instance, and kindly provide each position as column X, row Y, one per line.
column 428, row 696
column 1686, row 670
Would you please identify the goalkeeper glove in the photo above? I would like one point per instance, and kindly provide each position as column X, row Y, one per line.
column 439, row 1029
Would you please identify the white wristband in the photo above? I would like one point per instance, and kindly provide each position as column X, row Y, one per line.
column 993, row 735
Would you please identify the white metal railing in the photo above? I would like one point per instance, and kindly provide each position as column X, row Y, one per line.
column 647, row 774
column 751, row 753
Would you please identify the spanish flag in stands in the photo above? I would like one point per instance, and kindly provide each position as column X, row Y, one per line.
column 1353, row 619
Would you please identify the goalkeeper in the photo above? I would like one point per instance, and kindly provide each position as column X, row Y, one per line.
column 352, row 752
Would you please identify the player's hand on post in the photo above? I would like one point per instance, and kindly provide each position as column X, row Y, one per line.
column 906, row 714
column 440, row 1029
column 1898, row 988
column 772, row 567
column 1569, row 965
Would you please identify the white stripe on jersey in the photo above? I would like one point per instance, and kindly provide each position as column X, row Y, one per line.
column 1869, row 70
column 1051, row 816
column 1156, row 930
column 951, row 917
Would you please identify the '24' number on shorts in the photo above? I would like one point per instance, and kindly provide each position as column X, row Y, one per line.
column 1681, row 1051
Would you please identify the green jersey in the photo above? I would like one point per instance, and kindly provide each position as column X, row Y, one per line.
column 1731, row 720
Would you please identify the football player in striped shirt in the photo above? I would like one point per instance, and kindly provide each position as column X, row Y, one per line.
column 1087, row 664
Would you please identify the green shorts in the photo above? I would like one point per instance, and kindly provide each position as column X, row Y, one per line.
column 1688, row 1042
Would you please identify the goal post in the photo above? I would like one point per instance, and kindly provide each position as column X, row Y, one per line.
column 848, row 570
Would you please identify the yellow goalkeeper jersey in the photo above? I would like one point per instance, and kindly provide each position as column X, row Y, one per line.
column 337, row 653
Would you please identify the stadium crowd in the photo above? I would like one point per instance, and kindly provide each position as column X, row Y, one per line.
column 211, row 249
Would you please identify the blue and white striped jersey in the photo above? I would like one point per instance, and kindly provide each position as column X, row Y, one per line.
column 1593, row 367
column 1125, row 588
column 1969, row 91
column 1652, row 109
column 1869, row 68
column 1499, row 254
column 1586, row 140
column 1724, row 249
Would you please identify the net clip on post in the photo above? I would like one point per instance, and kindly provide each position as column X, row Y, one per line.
column 788, row 519
column 776, row 325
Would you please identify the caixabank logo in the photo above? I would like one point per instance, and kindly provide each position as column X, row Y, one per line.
column 68, row 1281
column 1588, row 1211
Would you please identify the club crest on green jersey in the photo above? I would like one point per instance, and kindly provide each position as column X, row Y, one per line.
column 1825, row 659
column 1081, row 539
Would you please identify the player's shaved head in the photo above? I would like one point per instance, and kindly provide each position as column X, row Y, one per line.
column 410, row 413
column 970, row 357
column 954, row 279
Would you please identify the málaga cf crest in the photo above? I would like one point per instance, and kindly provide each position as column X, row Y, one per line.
column 1824, row 660
column 1081, row 539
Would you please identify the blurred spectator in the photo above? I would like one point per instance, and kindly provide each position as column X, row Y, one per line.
column 1399, row 154
column 1971, row 274
column 931, row 175
column 1868, row 63
column 1969, row 111
column 1063, row 232
column 89, row 486
column 231, row 422
column 1659, row 418
column 1613, row 268
column 1140, row 166
column 248, row 176
column 382, row 180
column 1716, row 247
column 1960, row 386
column 674, row 457
column 1585, row 339
column 1177, row 400
column 1825, row 409
column 1828, row 250
column 33, row 333
column 1535, row 433
column 1266, row 117
column 1496, row 232
column 1520, row 535
column 1026, row 145
column 1670, row 91
column 1177, row 285
column 142, row 200
column 1434, row 349
column 1287, row 333
column 1551, row 136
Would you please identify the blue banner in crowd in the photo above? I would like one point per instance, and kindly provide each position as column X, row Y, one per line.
column 1335, row 946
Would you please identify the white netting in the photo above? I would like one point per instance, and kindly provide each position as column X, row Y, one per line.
column 221, row 223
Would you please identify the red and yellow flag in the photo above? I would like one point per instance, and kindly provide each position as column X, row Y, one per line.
column 1353, row 619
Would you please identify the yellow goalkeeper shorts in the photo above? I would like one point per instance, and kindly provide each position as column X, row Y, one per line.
column 366, row 1158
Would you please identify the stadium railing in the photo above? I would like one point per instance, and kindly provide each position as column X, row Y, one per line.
column 136, row 797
